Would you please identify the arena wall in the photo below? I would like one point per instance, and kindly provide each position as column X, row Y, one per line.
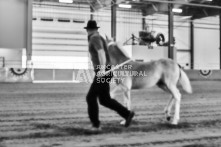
column 83, row 75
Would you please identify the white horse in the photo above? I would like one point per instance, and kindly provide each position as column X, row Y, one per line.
column 165, row 73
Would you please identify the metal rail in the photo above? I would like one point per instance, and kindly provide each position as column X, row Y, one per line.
column 184, row 3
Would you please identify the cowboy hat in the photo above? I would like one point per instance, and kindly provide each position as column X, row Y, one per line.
column 91, row 24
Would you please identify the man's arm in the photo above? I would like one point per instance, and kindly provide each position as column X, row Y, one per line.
column 102, row 59
column 98, row 45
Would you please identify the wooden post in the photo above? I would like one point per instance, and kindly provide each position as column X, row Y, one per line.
column 170, row 28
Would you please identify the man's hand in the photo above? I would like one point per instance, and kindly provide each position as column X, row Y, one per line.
column 101, row 73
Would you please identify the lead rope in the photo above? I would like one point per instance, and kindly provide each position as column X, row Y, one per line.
column 117, row 66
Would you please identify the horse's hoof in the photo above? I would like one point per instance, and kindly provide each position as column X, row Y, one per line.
column 168, row 118
column 174, row 122
column 122, row 122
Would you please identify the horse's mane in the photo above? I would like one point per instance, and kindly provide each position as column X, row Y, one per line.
column 117, row 53
column 122, row 50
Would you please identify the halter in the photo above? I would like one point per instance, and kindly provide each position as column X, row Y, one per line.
column 110, row 43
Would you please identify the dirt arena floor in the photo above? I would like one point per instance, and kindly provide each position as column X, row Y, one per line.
column 55, row 115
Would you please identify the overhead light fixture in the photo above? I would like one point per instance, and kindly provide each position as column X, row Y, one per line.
column 65, row 1
column 203, row 1
column 177, row 10
column 124, row 6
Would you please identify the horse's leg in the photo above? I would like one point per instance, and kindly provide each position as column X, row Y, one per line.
column 127, row 97
column 120, row 87
column 127, row 88
column 177, row 98
column 126, row 94
column 114, row 91
column 127, row 102
column 167, row 109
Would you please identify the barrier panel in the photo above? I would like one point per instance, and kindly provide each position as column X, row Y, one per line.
column 202, row 75
column 63, row 75
column 14, row 75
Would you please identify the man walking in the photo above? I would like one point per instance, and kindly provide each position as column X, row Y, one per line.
column 100, row 89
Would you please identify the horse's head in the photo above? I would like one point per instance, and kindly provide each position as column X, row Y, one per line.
column 116, row 52
column 108, row 39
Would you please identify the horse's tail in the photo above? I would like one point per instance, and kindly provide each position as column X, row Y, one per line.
column 185, row 82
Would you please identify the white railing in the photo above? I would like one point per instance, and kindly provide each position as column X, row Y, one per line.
column 2, row 62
